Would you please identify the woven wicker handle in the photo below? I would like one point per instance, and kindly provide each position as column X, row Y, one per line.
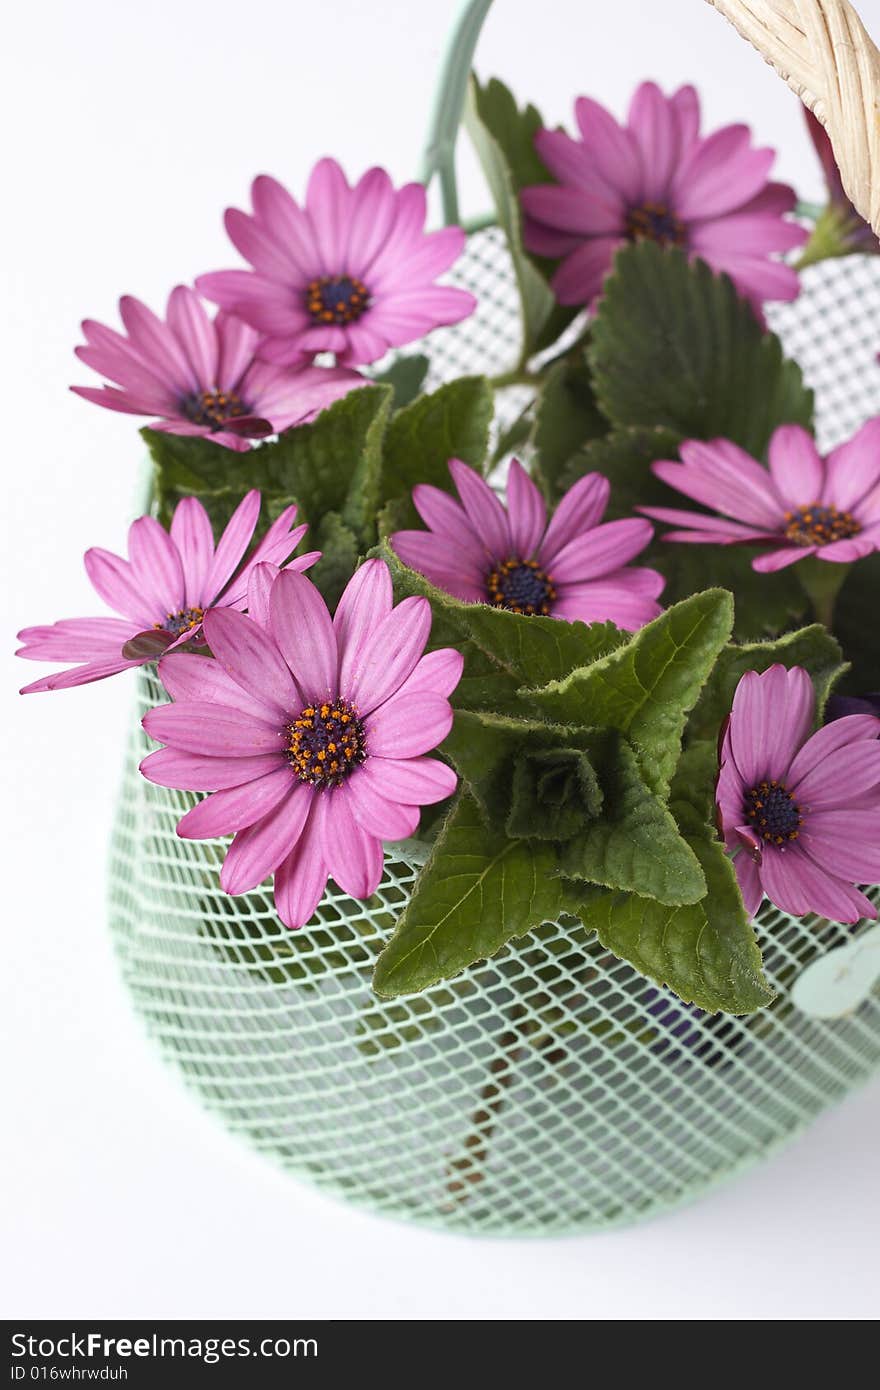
column 825, row 54
column 820, row 47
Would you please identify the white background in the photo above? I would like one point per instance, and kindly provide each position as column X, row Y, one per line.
column 127, row 128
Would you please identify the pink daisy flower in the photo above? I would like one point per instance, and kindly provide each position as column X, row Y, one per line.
column 350, row 273
column 162, row 591
column 658, row 179
column 202, row 376
column 311, row 733
column 574, row 568
column 804, row 505
column 801, row 812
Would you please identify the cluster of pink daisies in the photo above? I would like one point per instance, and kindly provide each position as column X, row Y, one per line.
column 311, row 733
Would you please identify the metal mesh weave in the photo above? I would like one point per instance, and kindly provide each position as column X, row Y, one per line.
column 551, row 1089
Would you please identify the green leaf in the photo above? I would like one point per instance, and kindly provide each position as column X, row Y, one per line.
column 555, row 793
column 567, row 416
column 407, row 377
column 503, row 137
column 811, row 647
column 616, row 832
column 489, row 749
column 452, row 422
column 635, row 844
column 338, row 562
column 855, row 622
column 765, row 603
column 330, row 465
column 673, row 345
column 519, row 646
column 646, row 688
column 706, row 952
column 478, row 889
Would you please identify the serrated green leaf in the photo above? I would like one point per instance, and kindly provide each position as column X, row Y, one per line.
column 628, row 840
column 554, row 794
column 635, row 843
column 646, row 688
column 855, row 623
column 503, row 137
column 330, row 465
column 452, row 422
column 485, row 748
column 706, row 952
column 477, row 891
column 812, row 647
column 566, row 417
column 339, row 556
column 519, row 646
column 673, row 345
column 406, row 376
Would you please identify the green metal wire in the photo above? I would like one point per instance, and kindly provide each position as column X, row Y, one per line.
column 549, row 1090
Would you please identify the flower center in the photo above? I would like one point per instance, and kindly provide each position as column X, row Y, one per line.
column 326, row 742
column 655, row 222
column 336, row 299
column 521, row 586
column 819, row 525
column 773, row 814
column 213, row 408
column 181, row 621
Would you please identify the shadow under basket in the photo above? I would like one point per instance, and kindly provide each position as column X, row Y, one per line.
column 549, row 1090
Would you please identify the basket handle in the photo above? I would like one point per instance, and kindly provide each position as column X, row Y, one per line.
column 819, row 47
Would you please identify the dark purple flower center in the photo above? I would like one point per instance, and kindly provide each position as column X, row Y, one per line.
column 326, row 742
column 521, row 586
column 655, row 222
column 772, row 813
column 817, row 524
column 182, row 621
column 336, row 299
column 213, row 408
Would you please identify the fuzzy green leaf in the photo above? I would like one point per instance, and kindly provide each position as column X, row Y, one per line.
column 635, row 843
column 674, row 345
column 856, row 625
column 339, row 556
column 519, row 646
column 646, row 688
column 407, row 377
column 504, row 139
column 330, row 465
column 478, row 889
column 623, row 838
column 452, row 422
column 706, row 952
column 811, row 647
column 566, row 417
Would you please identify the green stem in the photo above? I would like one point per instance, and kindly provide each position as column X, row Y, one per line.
column 518, row 377
column 821, row 581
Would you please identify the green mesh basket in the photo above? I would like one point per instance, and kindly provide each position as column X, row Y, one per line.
column 551, row 1089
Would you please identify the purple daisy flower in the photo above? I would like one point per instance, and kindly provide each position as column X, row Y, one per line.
column 310, row 732
column 658, row 179
column 350, row 273
column 801, row 812
column 574, row 568
column 804, row 505
column 202, row 376
column 162, row 591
